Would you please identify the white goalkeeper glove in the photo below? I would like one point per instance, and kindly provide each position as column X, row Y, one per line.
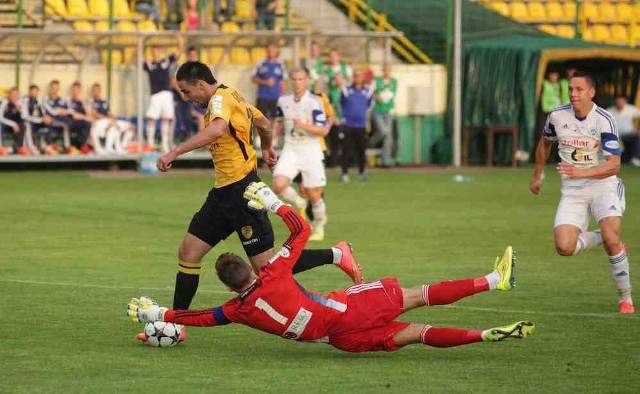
column 260, row 196
column 145, row 310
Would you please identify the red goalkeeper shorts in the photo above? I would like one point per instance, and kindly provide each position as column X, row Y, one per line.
column 369, row 322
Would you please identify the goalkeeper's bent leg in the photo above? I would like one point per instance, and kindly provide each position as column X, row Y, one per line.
column 436, row 336
column 187, row 280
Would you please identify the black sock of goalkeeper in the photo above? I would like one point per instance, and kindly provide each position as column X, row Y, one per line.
column 187, row 280
column 312, row 258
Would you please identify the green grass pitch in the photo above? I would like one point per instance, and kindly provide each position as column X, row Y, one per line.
column 76, row 247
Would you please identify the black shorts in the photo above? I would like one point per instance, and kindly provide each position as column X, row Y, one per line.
column 226, row 211
column 268, row 107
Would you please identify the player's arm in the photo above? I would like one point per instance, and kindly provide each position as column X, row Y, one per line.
column 214, row 130
column 260, row 196
column 319, row 125
column 543, row 150
column 146, row 310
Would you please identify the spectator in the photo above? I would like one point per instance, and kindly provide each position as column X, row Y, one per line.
column 385, row 93
column 336, row 72
column 625, row 114
column 37, row 122
column 314, row 64
column 117, row 133
column 60, row 112
column 266, row 14
column 174, row 15
column 270, row 75
column 192, row 15
column 151, row 8
column 550, row 97
column 161, row 101
column 355, row 100
column 183, row 107
column 564, row 86
column 217, row 11
column 80, row 118
column 12, row 122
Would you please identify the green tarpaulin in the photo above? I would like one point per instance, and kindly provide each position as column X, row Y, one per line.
column 502, row 78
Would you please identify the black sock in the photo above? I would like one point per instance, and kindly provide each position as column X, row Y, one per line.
column 185, row 290
column 312, row 258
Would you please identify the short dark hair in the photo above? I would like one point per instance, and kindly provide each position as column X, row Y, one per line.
column 191, row 48
column 193, row 71
column 233, row 271
column 96, row 85
column 588, row 77
column 33, row 86
column 54, row 82
column 300, row 69
column 76, row 83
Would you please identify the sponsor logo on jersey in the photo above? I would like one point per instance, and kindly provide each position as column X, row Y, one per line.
column 612, row 144
column 566, row 126
column 299, row 323
column 246, row 231
column 593, row 132
column 576, row 143
column 216, row 105
column 580, row 155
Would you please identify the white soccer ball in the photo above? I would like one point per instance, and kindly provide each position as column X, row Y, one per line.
column 161, row 334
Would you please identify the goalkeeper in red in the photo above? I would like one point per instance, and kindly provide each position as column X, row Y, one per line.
column 361, row 318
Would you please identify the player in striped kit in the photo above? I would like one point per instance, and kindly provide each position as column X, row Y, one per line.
column 358, row 319
column 304, row 123
column 589, row 149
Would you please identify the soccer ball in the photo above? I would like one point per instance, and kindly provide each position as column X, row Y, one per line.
column 161, row 334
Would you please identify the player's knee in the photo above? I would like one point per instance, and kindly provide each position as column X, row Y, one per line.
column 612, row 245
column 565, row 249
column 185, row 253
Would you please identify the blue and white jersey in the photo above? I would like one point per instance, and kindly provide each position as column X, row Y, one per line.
column 309, row 110
column 583, row 142
column 265, row 70
column 50, row 105
column 100, row 106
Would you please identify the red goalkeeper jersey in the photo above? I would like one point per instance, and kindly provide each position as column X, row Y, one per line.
column 275, row 302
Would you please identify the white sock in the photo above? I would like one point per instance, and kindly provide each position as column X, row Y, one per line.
column 319, row 210
column 127, row 137
column 588, row 240
column 111, row 142
column 292, row 196
column 620, row 274
column 337, row 255
column 166, row 138
column 151, row 131
column 493, row 279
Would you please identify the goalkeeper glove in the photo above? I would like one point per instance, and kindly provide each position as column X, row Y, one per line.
column 145, row 310
column 260, row 196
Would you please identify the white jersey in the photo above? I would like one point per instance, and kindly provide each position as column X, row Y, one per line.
column 309, row 110
column 583, row 142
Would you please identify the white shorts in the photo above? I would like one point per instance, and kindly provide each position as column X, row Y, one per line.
column 601, row 201
column 310, row 166
column 161, row 106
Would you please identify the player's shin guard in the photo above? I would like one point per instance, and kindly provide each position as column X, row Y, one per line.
column 620, row 274
column 451, row 291
column 167, row 139
column 187, row 280
column 319, row 212
column 313, row 258
column 588, row 240
column 290, row 195
column 448, row 337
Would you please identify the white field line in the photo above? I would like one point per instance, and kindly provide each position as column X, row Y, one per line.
column 611, row 315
